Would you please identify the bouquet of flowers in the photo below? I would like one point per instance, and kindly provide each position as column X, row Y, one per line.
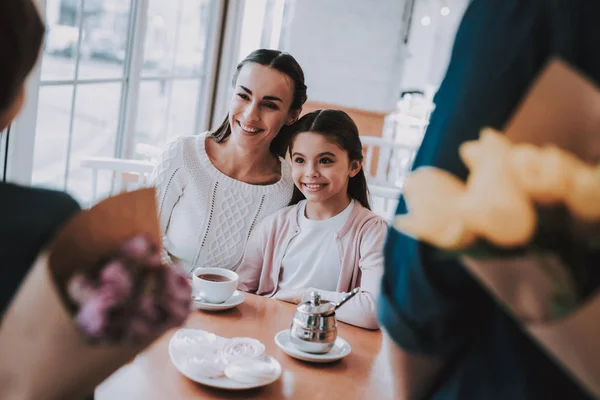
column 514, row 207
column 526, row 223
column 96, row 297
column 131, row 298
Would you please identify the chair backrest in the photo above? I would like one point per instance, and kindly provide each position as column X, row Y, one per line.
column 384, row 200
column 386, row 162
column 126, row 174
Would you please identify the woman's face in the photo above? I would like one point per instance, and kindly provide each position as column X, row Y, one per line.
column 260, row 106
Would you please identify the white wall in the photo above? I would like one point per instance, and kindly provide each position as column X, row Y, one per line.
column 351, row 51
column 429, row 47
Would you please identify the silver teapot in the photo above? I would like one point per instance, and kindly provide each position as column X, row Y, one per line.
column 314, row 327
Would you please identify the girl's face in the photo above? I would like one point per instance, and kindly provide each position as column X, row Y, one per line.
column 321, row 169
column 260, row 106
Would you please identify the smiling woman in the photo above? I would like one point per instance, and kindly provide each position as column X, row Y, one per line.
column 215, row 187
column 279, row 84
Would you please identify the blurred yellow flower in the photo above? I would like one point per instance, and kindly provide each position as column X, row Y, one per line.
column 497, row 203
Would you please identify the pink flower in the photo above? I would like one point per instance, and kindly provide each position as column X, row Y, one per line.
column 117, row 277
column 137, row 247
column 80, row 289
column 93, row 315
column 148, row 308
column 158, row 311
column 110, row 313
column 154, row 260
column 148, row 320
column 177, row 286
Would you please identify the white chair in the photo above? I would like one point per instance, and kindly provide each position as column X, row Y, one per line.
column 384, row 201
column 127, row 174
column 394, row 161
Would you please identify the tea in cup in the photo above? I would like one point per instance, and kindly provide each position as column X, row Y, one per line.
column 214, row 285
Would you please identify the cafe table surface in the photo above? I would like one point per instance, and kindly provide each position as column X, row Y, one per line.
column 363, row 374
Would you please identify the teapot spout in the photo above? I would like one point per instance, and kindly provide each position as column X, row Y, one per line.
column 348, row 297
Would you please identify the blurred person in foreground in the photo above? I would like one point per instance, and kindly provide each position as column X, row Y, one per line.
column 30, row 218
column 454, row 341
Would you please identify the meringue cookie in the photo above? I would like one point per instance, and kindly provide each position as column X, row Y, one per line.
column 239, row 348
column 206, row 366
column 197, row 341
column 253, row 370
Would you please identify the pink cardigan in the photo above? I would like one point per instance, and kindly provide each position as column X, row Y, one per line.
column 360, row 245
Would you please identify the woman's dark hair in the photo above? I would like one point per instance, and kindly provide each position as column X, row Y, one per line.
column 282, row 62
column 340, row 129
column 21, row 36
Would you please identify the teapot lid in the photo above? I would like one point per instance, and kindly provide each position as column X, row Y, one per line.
column 317, row 306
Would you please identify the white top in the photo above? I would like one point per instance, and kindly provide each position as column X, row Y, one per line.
column 206, row 216
column 312, row 259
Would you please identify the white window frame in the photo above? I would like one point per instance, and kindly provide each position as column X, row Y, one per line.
column 227, row 61
column 222, row 37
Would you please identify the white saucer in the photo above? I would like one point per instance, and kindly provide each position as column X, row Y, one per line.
column 179, row 357
column 341, row 349
column 236, row 299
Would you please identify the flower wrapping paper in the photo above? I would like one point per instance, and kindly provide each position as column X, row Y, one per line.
column 45, row 354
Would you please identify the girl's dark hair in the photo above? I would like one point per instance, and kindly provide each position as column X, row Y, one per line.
column 282, row 62
column 340, row 129
column 21, row 36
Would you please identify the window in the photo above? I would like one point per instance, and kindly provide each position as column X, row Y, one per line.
column 119, row 78
column 173, row 74
column 264, row 24
column 260, row 24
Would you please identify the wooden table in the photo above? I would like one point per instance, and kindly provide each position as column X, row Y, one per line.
column 363, row 374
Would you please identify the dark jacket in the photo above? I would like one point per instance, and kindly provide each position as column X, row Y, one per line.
column 28, row 219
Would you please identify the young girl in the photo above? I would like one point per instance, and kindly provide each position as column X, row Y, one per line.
column 329, row 241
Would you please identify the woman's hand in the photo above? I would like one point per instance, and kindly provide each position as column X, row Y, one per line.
column 133, row 298
column 290, row 295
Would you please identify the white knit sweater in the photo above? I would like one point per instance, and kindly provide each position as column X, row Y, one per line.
column 206, row 216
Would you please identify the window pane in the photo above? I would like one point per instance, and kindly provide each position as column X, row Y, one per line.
column 167, row 109
column 263, row 23
column 152, row 113
column 182, row 111
column 94, row 135
column 104, row 45
column 51, row 136
column 176, row 36
column 60, row 46
column 252, row 26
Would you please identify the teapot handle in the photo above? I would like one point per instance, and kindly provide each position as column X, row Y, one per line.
column 348, row 297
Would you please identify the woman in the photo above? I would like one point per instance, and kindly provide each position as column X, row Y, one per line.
column 214, row 188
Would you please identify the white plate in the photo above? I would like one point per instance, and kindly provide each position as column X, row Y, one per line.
column 236, row 299
column 341, row 349
column 179, row 358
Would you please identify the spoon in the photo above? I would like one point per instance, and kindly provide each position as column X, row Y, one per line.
column 348, row 297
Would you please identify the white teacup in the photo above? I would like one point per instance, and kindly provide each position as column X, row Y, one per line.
column 214, row 285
